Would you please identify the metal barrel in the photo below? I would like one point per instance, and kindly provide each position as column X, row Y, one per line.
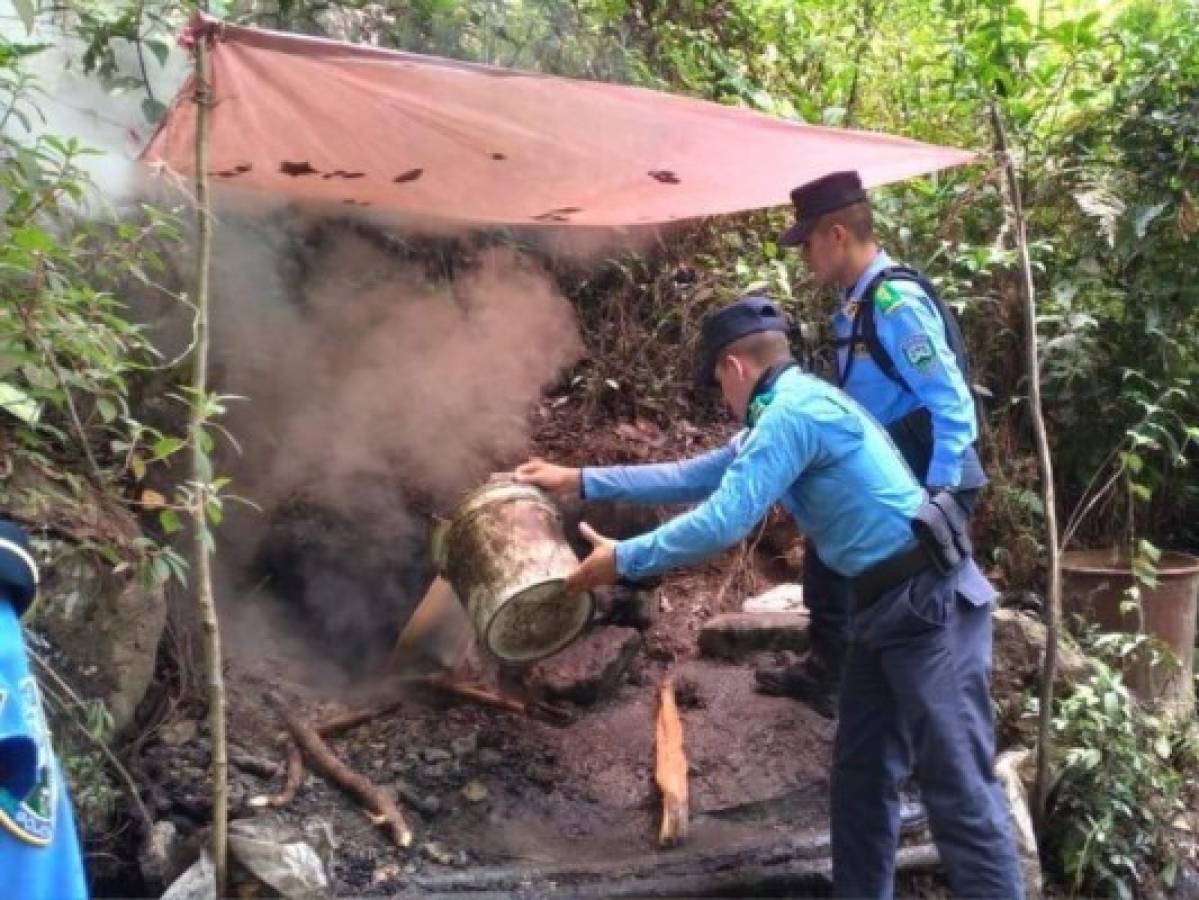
column 1095, row 585
column 504, row 551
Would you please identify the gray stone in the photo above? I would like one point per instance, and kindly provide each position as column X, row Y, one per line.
column 490, row 758
column 465, row 746
column 1187, row 885
column 786, row 597
column 157, row 858
column 592, row 668
column 436, row 755
column 109, row 627
column 737, row 635
column 178, row 733
column 102, row 617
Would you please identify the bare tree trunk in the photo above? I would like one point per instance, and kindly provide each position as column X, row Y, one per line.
column 1054, row 607
column 201, row 479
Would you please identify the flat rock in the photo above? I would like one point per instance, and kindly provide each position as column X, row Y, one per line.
column 736, row 635
column 785, row 597
column 591, row 668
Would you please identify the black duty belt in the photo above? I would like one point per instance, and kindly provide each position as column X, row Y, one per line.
column 891, row 572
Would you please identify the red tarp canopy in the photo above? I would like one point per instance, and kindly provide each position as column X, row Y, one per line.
column 356, row 125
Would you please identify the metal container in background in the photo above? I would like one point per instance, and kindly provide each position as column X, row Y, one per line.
column 1095, row 585
column 504, row 552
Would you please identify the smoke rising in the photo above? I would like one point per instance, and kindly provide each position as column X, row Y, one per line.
column 376, row 394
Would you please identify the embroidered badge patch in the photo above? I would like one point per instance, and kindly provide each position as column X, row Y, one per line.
column 31, row 819
column 888, row 298
column 918, row 351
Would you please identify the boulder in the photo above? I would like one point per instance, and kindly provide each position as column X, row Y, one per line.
column 590, row 669
column 101, row 616
column 108, row 625
column 1018, row 651
column 733, row 636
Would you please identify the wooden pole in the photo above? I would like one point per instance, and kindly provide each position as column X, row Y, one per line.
column 1053, row 609
column 201, row 479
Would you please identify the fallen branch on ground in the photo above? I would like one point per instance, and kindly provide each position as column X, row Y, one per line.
column 355, row 717
column 384, row 811
column 254, row 765
column 670, row 768
column 291, row 784
column 546, row 712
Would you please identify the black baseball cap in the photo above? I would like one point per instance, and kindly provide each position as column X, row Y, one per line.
column 751, row 314
column 814, row 199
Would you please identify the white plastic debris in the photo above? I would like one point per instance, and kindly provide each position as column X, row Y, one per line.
column 197, row 883
column 278, row 857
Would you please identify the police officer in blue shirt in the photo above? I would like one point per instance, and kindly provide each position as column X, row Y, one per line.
column 39, row 849
column 901, row 355
column 916, row 689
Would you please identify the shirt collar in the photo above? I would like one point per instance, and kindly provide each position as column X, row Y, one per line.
column 763, row 392
column 880, row 262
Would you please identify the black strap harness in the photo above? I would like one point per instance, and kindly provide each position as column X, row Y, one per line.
column 864, row 331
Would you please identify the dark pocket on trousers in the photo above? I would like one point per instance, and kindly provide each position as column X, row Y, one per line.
column 927, row 604
column 917, row 607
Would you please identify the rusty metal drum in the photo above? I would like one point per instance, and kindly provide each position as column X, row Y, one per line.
column 504, row 551
column 1095, row 585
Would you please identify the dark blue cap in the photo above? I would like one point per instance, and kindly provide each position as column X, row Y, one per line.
column 749, row 315
column 814, row 199
column 18, row 571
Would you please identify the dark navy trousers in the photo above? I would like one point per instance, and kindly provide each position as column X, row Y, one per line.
column 916, row 696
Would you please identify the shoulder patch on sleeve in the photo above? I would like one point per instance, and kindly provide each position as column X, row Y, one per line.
column 888, row 298
column 918, row 350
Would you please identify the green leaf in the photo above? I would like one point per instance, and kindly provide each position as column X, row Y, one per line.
column 169, row 520
column 33, row 240
column 160, row 50
column 153, row 110
column 1145, row 217
column 107, row 409
column 16, row 402
column 164, row 447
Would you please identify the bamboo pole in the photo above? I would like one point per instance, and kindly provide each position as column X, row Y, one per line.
column 201, row 479
column 1054, row 607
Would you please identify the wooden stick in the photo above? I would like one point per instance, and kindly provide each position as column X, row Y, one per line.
column 555, row 715
column 1053, row 610
column 384, row 811
column 291, row 784
column 254, row 765
column 201, row 477
column 355, row 717
column 671, row 768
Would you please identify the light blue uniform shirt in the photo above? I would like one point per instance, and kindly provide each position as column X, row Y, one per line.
column 910, row 329
column 812, row 449
column 39, row 848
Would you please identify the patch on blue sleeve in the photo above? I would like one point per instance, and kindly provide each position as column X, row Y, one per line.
column 918, row 350
column 31, row 818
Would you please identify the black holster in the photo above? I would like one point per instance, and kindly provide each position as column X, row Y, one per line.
column 942, row 526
